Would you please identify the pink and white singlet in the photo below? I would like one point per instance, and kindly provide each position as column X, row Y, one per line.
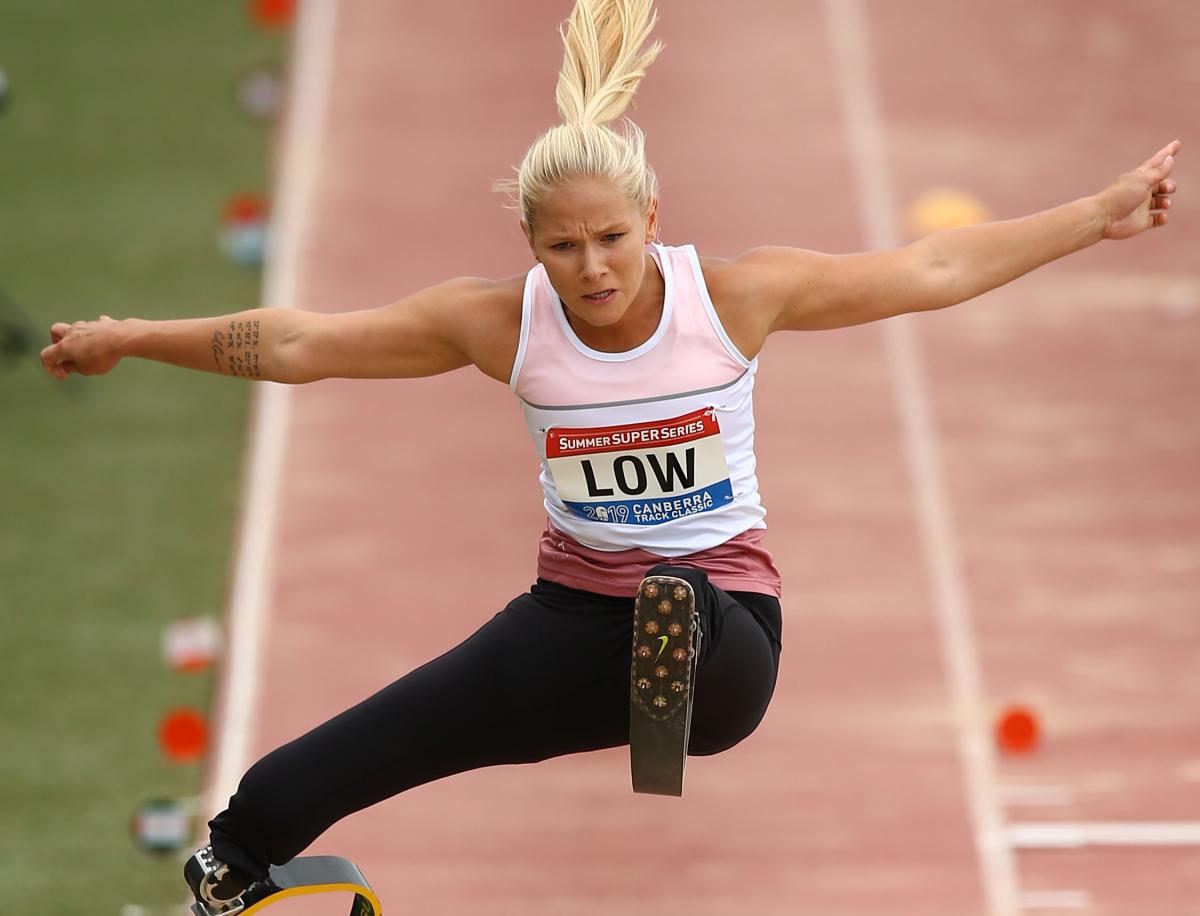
column 646, row 454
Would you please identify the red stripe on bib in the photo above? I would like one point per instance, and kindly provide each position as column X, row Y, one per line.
column 699, row 424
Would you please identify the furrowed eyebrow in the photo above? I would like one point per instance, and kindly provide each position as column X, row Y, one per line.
column 554, row 239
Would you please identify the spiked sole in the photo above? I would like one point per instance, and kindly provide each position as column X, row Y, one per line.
column 666, row 645
column 307, row 875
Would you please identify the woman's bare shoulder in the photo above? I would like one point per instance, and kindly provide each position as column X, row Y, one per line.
column 489, row 321
column 732, row 285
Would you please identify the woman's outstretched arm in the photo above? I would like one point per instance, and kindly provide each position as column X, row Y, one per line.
column 792, row 289
column 445, row 327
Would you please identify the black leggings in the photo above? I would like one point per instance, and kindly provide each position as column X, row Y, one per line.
column 547, row 676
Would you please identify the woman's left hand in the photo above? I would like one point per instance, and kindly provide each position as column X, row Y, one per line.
column 1139, row 200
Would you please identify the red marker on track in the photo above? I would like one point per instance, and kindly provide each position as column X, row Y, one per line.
column 270, row 14
column 243, row 208
column 1018, row 731
column 183, row 735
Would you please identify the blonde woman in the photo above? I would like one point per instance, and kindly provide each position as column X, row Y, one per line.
column 634, row 363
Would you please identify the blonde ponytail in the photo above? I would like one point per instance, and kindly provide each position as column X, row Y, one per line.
column 603, row 62
column 602, row 65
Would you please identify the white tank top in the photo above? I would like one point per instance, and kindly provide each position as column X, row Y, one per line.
column 650, row 448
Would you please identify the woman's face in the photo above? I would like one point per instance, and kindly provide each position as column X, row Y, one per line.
column 592, row 239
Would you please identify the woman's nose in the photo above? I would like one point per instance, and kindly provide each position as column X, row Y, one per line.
column 593, row 263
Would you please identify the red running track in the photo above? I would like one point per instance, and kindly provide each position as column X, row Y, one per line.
column 1062, row 409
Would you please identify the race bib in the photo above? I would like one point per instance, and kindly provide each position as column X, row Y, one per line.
column 641, row 473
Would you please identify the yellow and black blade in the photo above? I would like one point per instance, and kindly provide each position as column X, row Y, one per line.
column 308, row 875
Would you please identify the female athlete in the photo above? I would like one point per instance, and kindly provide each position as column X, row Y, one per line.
column 634, row 363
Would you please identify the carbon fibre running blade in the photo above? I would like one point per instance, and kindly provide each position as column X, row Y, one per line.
column 306, row 875
column 666, row 640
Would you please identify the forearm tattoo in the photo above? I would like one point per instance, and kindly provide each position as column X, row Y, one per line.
column 235, row 350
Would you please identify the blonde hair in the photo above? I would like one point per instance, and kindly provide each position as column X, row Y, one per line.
column 603, row 62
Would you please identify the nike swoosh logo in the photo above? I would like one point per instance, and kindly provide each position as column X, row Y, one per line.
column 662, row 648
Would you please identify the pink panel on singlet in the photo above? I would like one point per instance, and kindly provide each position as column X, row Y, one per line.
column 685, row 352
column 741, row 564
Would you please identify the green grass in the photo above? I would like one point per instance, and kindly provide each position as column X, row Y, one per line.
column 119, row 145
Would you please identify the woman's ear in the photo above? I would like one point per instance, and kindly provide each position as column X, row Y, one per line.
column 652, row 221
column 529, row 238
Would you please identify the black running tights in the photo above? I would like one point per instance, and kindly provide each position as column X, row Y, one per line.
column 547, row 676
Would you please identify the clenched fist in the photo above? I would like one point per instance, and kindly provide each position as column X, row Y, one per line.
column 86, row 347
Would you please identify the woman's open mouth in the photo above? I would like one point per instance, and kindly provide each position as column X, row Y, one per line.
column 600, row 297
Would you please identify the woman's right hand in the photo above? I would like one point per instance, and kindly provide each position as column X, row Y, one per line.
column 86, row 347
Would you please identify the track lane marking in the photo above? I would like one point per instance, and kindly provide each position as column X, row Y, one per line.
column 1080, row 834
column 1056, row 900
column 849, row 38
column 248, row 612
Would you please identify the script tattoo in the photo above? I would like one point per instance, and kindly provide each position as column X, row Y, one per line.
column 218, row 350
column 235, row 349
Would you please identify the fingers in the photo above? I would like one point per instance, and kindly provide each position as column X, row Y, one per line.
column 1159, row 166
column 1171, row 149
column 60, row 329
column 1161, row 170
column 55, row 358
column 53, row 362
column 1160, row 195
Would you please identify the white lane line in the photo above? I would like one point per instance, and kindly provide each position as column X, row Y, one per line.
column 1056, row 900
column 250, row 596
column 1062, row 835
column 1036, row 796
column 877, row 209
